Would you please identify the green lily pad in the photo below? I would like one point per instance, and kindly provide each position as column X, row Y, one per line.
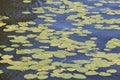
column 91, row 73
column 2, row 46
column 104, row 74
column 59, row 55
column 1, row 71
column 42, row 56
column 42, row 73
column 2, row 24
column 17, row 67
column 26, row 58
column 15, row 45
column 31, row 36
column 7, row 56
column 30, row 76
column 111, row 71
column 26, row 12
column 79, row 76
column 66, row 75
column 42, row 77
column 8, row 49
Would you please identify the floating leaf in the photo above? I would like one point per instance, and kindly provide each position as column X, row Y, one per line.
column 18, row 67
column 66, row 75
column 42, row 73
column 1, row 71
column 79, row 76
column 91, row 73
column 42, row 77
column 111, row 71
column 26, row 12
column 104, row 74
column 26, row 58
column 30, row 76
column 42, row 56
column 2, row 24
column 15, row 45
column 7, row 56
column 8, row 49
column 2, row 46
column 31, row 36
column 59, row 55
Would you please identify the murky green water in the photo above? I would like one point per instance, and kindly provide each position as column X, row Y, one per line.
column 59, row 40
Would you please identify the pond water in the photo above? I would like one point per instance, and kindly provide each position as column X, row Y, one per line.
column 59, row 40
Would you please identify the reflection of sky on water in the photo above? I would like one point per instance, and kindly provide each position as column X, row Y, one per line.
column 6, row 9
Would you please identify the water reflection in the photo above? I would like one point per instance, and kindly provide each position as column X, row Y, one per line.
column 13, row 9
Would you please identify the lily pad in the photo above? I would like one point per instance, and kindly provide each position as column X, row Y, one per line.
column 42, row 77
column 112, row 71
column 104, row 74
column 79, row 76
column 30, row 76
column 91, row 73
column 8, row 49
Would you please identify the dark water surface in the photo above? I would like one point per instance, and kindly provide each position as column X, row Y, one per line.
column 13, row 9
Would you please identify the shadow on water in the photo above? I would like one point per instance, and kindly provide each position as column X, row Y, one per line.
column 13, row 9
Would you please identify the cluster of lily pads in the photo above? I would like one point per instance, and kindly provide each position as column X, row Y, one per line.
column 24, row 36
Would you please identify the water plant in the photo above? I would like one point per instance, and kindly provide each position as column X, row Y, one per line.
column 50, row 49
